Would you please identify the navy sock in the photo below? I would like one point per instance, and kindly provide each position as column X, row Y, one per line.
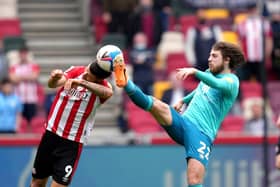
column 138, row 97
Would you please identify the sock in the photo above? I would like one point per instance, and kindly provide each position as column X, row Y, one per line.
column 138, row 97
column 195, row 185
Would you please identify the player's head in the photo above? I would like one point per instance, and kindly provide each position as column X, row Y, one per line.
column 98, row 71
column 225, row 55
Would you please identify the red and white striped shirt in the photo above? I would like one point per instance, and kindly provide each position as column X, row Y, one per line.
column 26, row 90
column 251, row 34
column 72, row 114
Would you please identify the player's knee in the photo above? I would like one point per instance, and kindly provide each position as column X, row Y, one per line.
column 194, row 178
column 160, row 106
column 277, row 161
column 38, row 183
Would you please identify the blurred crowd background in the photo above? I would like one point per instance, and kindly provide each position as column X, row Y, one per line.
column 156, row 36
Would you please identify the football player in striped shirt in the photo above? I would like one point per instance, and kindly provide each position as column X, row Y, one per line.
column 81, row 90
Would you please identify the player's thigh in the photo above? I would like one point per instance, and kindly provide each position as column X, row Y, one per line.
column 161, row 112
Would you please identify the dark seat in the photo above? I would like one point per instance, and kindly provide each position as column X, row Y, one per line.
column 13, row 43
column 117, row 39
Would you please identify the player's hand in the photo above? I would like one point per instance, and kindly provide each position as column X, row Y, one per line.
column 183, row 73
column 56, row 74
column 72, row 83
column 178, row 106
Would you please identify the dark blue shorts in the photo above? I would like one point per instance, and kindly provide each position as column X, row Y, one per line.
column 197, row 144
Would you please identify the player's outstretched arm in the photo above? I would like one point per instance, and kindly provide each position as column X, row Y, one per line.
column 209, row 79
column 56, row 79
column 101, row 91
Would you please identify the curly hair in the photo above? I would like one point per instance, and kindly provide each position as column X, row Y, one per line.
column 231, row 51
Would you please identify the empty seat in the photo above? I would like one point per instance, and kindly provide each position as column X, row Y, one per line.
column 141, row 121
column 10, row 27
column 175, row 61
column 171, row 42
column 239, row 17
column 117, row 39
column 159, row 87
column 187, row 21
column 13, row 43
column 230, row 36
column 250, row 89
column 147, row 24
column 23, row 126
column 100, row 28
column 216, row 13
column 233, row 123
column 37, row 124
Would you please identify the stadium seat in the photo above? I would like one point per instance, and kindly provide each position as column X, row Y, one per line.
column 250, row 89
column 225, row 24
column 186, row 21
column 217, row 13
column 37, row 124
column 239, row 17
column 23, row 126
column 13, row 43
column 117, row 39
column 171, row 42
column 100, row 28
column 147, row 24
column 159, row 87
column 190, row 84
column 140, row 121
column 230, row 36
column 41, row 94
column 10, row 27
column 233, row 123
column 176, row 60
column 172, row 23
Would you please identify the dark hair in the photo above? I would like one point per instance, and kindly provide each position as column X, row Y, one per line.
column 5, row 80
column 24, row 49
column 96, row 70
column 231, row 51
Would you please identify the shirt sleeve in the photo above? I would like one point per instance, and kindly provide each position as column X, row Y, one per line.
column 224, row 84
column 189, row 97
column 74, row 71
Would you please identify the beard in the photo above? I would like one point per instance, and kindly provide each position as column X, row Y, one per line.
column 217, row 69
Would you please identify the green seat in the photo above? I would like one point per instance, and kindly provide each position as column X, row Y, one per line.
column 114, row 39
column 13, row 43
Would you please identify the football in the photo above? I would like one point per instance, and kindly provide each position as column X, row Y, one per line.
column 106, row 56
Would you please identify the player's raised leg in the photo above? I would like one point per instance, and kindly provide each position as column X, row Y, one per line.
column 159, row 109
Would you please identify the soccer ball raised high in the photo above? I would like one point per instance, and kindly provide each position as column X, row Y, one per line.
column 106, row 56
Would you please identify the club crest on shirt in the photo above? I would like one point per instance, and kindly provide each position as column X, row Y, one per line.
column 77, row 93
column 205, row 88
